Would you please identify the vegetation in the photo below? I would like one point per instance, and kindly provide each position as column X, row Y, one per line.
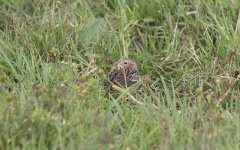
column 55, row 55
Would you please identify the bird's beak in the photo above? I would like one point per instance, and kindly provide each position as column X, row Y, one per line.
column 119, row 66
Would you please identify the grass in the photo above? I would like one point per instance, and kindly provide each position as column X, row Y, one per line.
column 190, row 49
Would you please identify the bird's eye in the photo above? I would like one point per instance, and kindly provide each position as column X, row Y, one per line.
column 125, row 62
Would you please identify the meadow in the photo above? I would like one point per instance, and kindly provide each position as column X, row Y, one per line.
column 56, row 54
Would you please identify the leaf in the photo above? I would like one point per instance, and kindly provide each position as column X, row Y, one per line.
column 92, row 31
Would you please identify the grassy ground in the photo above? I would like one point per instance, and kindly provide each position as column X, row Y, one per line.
column 189, row 48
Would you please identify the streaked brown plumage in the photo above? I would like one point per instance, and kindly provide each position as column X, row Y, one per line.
column 125, row 73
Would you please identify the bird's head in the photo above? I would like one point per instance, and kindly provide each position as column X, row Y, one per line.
column 126, row 64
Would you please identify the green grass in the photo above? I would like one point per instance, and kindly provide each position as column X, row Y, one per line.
column 189, row 48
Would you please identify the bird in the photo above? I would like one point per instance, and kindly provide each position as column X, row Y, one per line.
column 125, row 73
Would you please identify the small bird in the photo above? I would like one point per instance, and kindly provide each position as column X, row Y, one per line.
column 125, row 73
